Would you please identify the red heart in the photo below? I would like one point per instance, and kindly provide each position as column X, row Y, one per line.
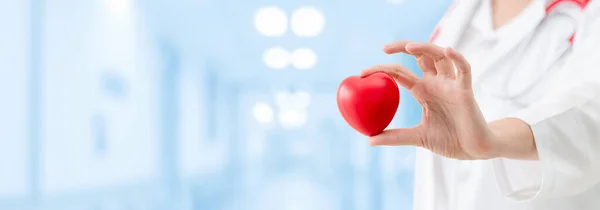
column 368, row 103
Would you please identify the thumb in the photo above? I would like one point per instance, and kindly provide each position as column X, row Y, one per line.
column 398, row 137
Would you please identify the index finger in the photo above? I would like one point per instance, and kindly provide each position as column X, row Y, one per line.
column 396, row 47
column 431, row 50
column 401, row 74
column 443, row 65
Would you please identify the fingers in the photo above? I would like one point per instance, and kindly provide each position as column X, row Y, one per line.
column 395, row 47
column 463, row 68
column 425, row 63
column 443, row 65
column 401, row 74
column 398, row 137
column 435, row 60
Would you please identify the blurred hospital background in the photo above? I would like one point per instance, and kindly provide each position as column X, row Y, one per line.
column 198, row 104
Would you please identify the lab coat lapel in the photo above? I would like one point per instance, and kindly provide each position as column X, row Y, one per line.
column 453, row 25
column 508, row 42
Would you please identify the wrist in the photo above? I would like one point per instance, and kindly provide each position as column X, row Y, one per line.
column 511, row 138
column 498, row 146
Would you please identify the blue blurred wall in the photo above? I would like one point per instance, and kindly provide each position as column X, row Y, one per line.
column 147, row 104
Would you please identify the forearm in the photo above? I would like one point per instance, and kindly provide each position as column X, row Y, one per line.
column 561, row 135
column 513, row 139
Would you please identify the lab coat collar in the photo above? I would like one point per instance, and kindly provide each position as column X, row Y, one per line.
column 453, row 25
column 510, row 36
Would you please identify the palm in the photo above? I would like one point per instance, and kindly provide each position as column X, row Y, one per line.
column 448, row 124
column 452, row 124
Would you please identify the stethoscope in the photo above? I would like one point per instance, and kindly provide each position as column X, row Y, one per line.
column 581, row 4
column 511, row 95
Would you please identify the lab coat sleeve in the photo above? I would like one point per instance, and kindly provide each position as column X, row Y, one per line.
column 566, row 129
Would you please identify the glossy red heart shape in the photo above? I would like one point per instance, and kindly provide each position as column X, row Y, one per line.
column 368, row 103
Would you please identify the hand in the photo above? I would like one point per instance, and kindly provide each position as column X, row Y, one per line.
column 452, row 124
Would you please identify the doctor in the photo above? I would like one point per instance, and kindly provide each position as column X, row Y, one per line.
column 511, row 117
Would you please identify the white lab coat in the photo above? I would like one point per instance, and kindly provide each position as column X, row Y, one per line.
column 553, row 87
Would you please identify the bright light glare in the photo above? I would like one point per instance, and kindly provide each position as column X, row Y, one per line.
column 304, row 58
column 292, row 108
column 263, row 113
column 271, row 21
column 307, row 22
column 277, row 58
column 292, row 118
column 119, row 7
column 302, row 99
column 297, row 100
